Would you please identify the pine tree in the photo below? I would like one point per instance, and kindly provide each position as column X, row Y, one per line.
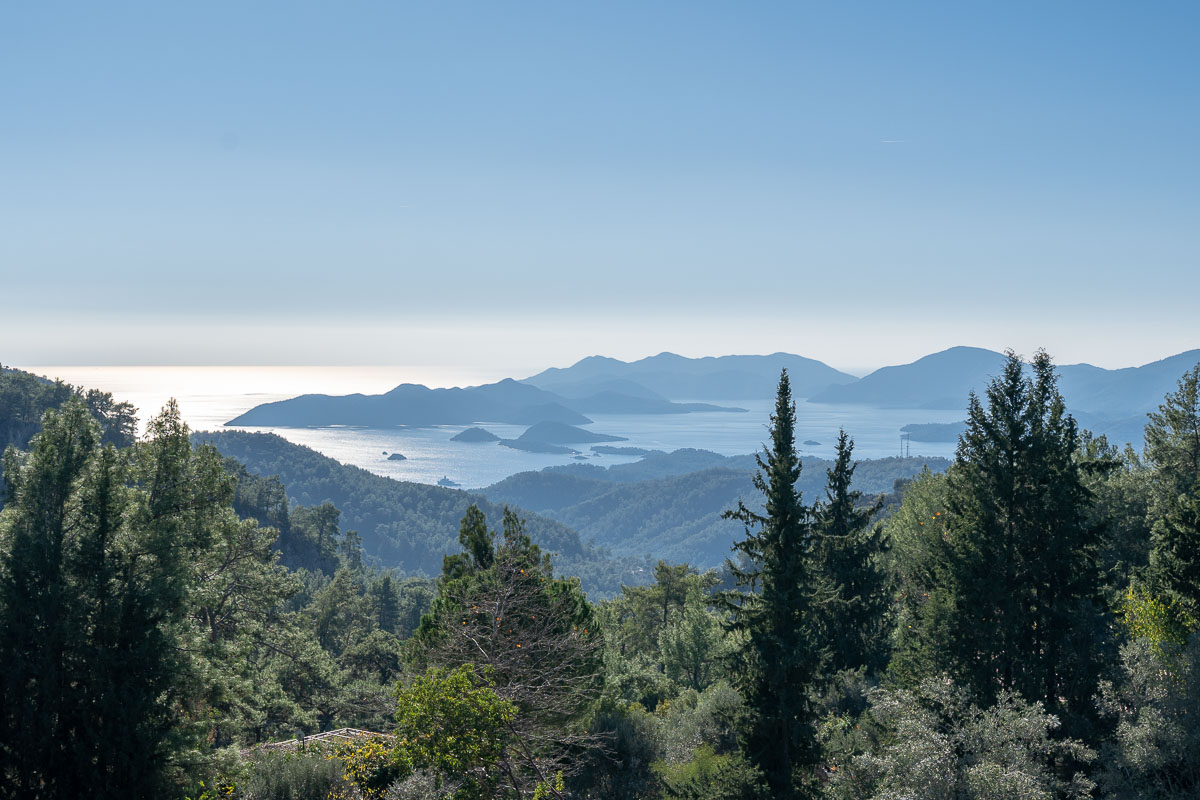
column 1173, row 454
column 133, row 601
column 385, row 603
column 848, row 557
column 781, row 661
column 38, row 622
column 95, row 566
column 530, row 637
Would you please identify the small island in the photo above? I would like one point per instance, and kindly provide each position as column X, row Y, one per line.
column 396, row 457
column 475, row 434
column 560, row 433
column 811, row 443
column 610, row 450
column 534, row 446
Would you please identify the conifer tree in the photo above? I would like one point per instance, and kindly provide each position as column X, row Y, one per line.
column 531, row 638
column 1023, row 561
column 133, row 602
column 36, row 605
column 848, row 551
column 93, row 578
column 385, row 603
column 776, row 612
column 1173, row 454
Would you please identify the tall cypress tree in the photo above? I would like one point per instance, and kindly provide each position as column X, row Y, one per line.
column 848, row 553
column 776, row 612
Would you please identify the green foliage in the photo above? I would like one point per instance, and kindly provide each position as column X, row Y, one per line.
column 932, row 743
column 780, row 662
column 691, row 720
column 144, row 624
column 339, row 614
column 1173, row 456
column 670, row 505
column 1119, row 510
column 920, row 557
column 695, row 646
column 453, row 723
column 533, row 638
column 1154, row 752
column 293, row 776
column 249, row 648
column 550, row 788
column 849, row 562
column 664, row 636
column 371, row 766
column 709, row 776
column 676, row 517
column 1012, row 601
column 643, row 746
column 635, row 619
column 161, row 608
column 1162, row 623
column 24, row 398
column 636, row 678
column 406, row 526
column 97, row 548
column 622, row 769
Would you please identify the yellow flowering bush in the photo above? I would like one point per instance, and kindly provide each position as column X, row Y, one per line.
column 371, row 766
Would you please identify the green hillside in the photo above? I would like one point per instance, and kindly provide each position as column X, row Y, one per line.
column 409, row 526
column 669, row 505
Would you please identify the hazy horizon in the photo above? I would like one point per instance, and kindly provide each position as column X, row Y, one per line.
column 290, row 379
column 526, row 185
column 446, row 372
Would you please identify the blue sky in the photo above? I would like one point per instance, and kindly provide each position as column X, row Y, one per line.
column 529, row 183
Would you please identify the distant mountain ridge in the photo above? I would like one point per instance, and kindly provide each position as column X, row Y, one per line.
column 1119, row 392
column 943, row 380
column 507, row 401
column 1106, row 401
column 681, row 378
column 939, row 380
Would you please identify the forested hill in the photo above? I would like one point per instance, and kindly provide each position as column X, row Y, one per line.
column 413, row 404
column 24, row 397
column 670, row 505
column 506, row 401
column 409, row 526
column 872, row 475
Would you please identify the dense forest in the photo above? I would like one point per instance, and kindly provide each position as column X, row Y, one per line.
column 25, row 397
column 671, row 505
column 409, row 525
column 1023, row 624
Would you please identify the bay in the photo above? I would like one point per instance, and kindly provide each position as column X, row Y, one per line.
column 208, row 396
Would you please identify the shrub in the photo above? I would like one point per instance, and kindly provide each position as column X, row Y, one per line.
column 371, row 766
column 293, row 776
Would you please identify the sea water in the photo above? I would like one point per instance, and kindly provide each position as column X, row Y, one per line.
column 209, row 396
